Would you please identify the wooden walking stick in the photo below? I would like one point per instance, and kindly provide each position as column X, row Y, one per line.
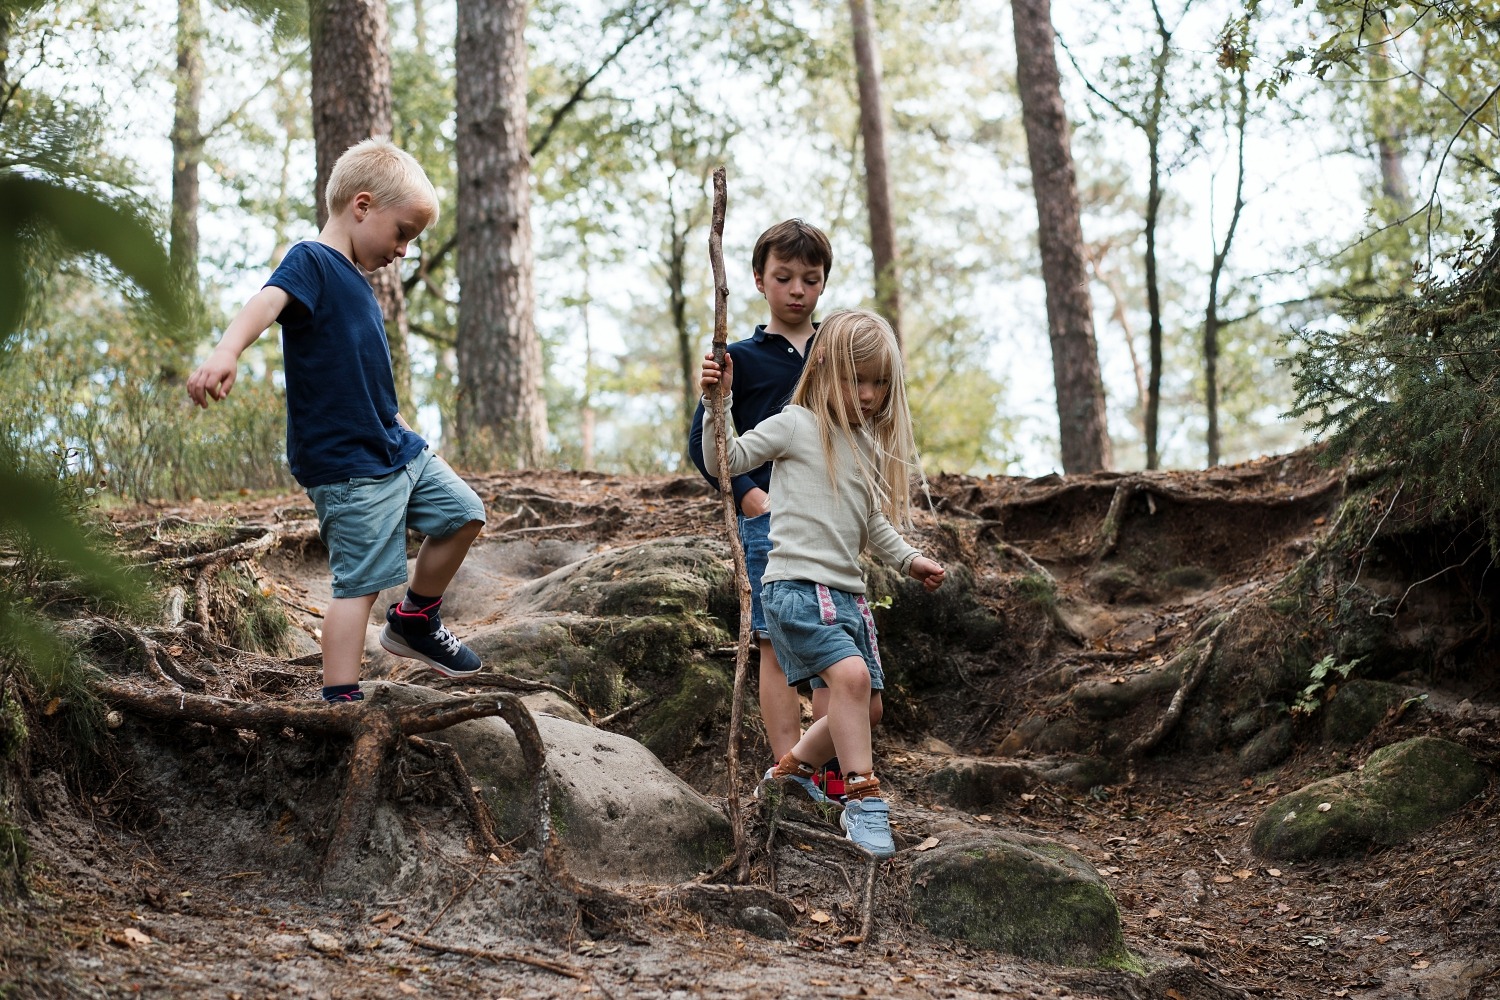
column 731, row 525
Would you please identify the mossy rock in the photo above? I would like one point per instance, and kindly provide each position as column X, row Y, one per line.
column 663, row 576
column 1359, row 706
column 672, row 728
column 1403, row 789
column 1266, row 748
column 660, row 645
column 1023, row 896
column 976, row 784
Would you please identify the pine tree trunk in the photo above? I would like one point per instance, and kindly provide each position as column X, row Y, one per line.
column 351, row 101
column 187, row 145
column 877, row 180
column 502, row 416
column 1153, row 213
column 1070, row 321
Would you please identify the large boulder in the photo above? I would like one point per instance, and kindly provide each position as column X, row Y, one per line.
column 1403, row 789
column 1020, row 895
column 620, row 815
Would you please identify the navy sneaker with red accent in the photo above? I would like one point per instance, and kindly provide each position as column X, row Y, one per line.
column 421, row 635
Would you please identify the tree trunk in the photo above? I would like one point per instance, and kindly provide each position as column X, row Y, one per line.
column 877, row 182
column 1211, row 322
column 502, row 416
column 187, row 145
column 677, row 300
column 351, row 101
column 1070, row 321
column 1153, row 213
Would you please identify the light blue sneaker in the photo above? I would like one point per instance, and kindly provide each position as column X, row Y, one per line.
column 867, row 822
column 813, row 791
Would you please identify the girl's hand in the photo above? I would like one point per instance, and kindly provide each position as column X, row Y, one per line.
column 711, row 373
column 930, row 573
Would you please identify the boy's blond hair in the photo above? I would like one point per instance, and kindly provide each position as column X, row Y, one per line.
column 392, row 176
column 846, row 340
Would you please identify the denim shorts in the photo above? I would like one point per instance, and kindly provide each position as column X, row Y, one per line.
column 363, row 521
column 755, row 539
column 813, row 627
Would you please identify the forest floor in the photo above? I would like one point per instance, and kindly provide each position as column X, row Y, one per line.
column 108, row 913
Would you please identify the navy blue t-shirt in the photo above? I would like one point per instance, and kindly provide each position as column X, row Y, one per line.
column 766, row 369
column 340, row 393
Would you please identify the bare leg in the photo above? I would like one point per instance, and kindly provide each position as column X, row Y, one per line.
column 820, row 705
column 439, row 558
column 344, row 626
column 780, row 705
column 845, row 731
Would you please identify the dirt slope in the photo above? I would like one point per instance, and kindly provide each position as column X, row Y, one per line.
column 1138, row 565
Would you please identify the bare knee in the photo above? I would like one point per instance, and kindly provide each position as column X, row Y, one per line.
column 877, row 708
column 849, row 677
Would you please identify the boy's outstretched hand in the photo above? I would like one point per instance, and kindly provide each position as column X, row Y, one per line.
column 710, row 376
column 930, row 573
column 214, row 378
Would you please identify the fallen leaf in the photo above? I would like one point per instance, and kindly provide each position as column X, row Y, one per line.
column 1243, row 873
column 1421, row 965
column 819, row 982
column 407, row 988
column 984, row 817
column 819, row 917
column 1323, row 807
column 1221, row 879
column 52, row 706
column 1153, row 913
column 1027, row 797
column 387, row 920
column 1274, row 872
column 927, row 844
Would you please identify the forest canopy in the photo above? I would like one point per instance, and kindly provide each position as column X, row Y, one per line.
column 1256, row 187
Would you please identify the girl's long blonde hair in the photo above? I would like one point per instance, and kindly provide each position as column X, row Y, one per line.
column 846, row 341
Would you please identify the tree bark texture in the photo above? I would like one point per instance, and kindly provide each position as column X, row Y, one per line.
column 502, row 416
column 1070, row 321
column 1152, row 127
column 351, row 101
column 877, row 179
column 187, row 144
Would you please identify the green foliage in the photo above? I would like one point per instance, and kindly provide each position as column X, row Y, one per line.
column 259, row 623
column 1318, row 681
column 1411, row 385
column 1039, row 590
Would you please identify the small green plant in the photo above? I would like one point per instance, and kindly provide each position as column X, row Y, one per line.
column 883, row 603
column 1311, row 696
column 1034, row 588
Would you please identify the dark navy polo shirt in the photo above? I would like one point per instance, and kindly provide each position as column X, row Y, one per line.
column 766, row 369
column 340, row 393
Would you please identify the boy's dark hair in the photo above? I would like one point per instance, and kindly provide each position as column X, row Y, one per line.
column 793, row 240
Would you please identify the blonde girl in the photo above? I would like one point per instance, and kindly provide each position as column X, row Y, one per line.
column 844, row 460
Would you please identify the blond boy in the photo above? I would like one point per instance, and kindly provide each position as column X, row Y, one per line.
column 369, row 475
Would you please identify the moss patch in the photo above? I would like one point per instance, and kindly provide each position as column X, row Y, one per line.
column 1404, row 788
column 1023, row 896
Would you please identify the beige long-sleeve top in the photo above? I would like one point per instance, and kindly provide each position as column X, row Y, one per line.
column 818, row 527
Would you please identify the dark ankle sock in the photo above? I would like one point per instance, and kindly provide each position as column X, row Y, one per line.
column 416, row 602
column 343, row 692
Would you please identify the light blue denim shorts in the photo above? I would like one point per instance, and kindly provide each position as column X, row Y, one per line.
column 813, row 627
column 755, row 539
column 363, row 521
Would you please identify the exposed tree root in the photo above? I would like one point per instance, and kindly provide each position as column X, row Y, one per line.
column 375, row 731
column 572, row 972
column 1191, row 678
